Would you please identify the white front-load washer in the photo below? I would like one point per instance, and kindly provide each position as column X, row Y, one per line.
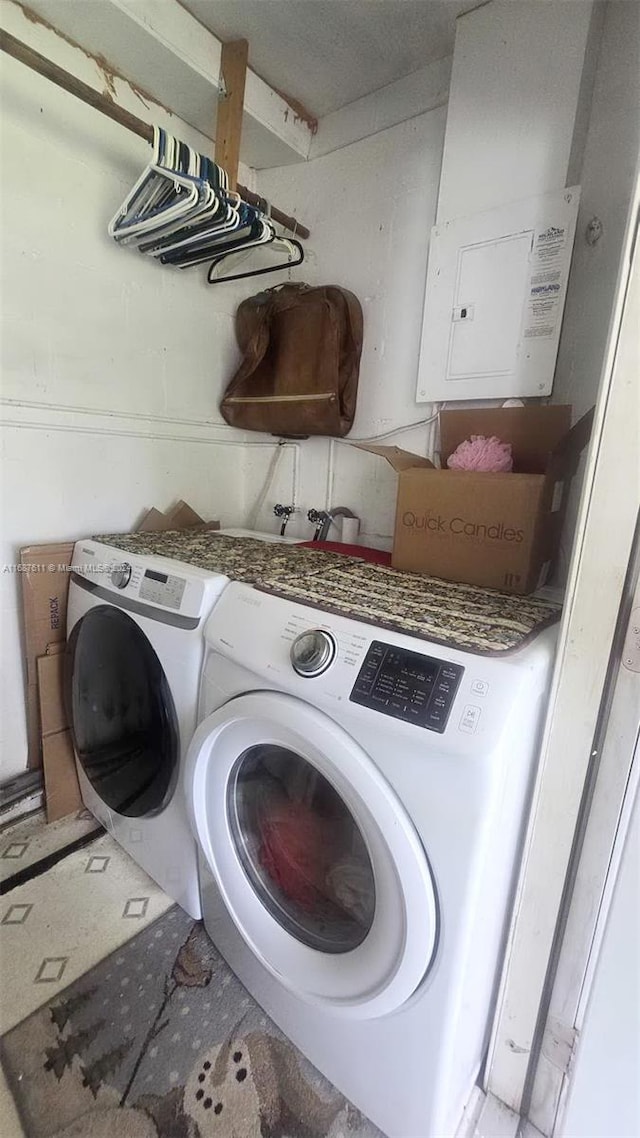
column 359, row 799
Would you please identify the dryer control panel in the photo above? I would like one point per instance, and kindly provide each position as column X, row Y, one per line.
column 162, row 588
column 407, row 685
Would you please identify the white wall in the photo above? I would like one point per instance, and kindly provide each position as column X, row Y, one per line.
column 515, row 89
column 370, row 207
column 112, row 366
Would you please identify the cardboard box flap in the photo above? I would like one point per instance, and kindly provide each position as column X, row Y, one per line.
column 153, row 521
column 535, row 432
column 53, row 715
column 181, row 516
column 399, row 459
column 62, row 792
column 574, row 442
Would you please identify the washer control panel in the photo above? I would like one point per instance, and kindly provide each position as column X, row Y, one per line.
column 407, row 685
column 162, row 588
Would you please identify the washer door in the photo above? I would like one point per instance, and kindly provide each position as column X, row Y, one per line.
column 316, row 859
column 122, row 716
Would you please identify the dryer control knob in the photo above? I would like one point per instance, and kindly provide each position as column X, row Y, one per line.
column 312, row 652
column 121, row 575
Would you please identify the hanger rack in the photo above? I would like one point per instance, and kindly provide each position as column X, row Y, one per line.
column 103, row 103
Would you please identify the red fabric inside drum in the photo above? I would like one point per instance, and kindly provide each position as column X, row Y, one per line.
column 295, row 852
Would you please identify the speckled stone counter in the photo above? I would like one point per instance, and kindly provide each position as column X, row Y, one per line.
column 466, row 617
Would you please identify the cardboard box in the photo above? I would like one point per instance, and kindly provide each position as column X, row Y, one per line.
column 53, row 713
column 62, row 790
column 498, row 530
column 45, row 585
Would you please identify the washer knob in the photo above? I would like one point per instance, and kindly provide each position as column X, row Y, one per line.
column 312, row 652
column 121, row 575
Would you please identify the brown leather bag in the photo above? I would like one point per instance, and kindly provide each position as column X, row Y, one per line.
column 301, row 348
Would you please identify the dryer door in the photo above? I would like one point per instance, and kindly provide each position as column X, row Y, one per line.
column 121, row 711
column 318, row 862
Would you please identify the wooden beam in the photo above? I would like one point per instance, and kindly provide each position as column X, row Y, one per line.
column 233, row 73
column 83, row 91
column 105, row 104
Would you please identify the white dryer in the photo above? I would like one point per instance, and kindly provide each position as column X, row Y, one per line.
column 359, row 799
column 135, row 638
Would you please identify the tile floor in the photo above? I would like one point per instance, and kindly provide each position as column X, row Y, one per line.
column 58, row 925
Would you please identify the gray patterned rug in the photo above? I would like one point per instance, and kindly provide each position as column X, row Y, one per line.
column 161, row 1040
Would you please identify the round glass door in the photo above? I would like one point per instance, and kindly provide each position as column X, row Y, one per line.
column 122, row 716
column 301, row 848
column 316, row 861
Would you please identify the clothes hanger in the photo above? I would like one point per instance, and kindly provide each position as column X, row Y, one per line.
column 210, row 207
column 164, row 196
column 209, row 216
column 172, row 198
column 143, row 194
column 292, row 245
column 253, row 230
column 216, row 217
column 160, row 197
column 182, row 212
column 149, row 208
column 184, row 245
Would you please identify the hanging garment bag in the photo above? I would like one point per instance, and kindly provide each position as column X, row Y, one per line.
column 299, row 375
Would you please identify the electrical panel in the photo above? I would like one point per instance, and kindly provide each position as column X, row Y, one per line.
column 496, row 286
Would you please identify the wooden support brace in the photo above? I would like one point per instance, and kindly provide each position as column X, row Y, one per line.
column 233, row 74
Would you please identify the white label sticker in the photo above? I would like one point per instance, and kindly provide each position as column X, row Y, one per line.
column 546, row 283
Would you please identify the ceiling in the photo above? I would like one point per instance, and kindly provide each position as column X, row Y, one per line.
column 326, row 53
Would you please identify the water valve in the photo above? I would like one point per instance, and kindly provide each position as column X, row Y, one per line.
column 317, row 519
column 283, row 512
